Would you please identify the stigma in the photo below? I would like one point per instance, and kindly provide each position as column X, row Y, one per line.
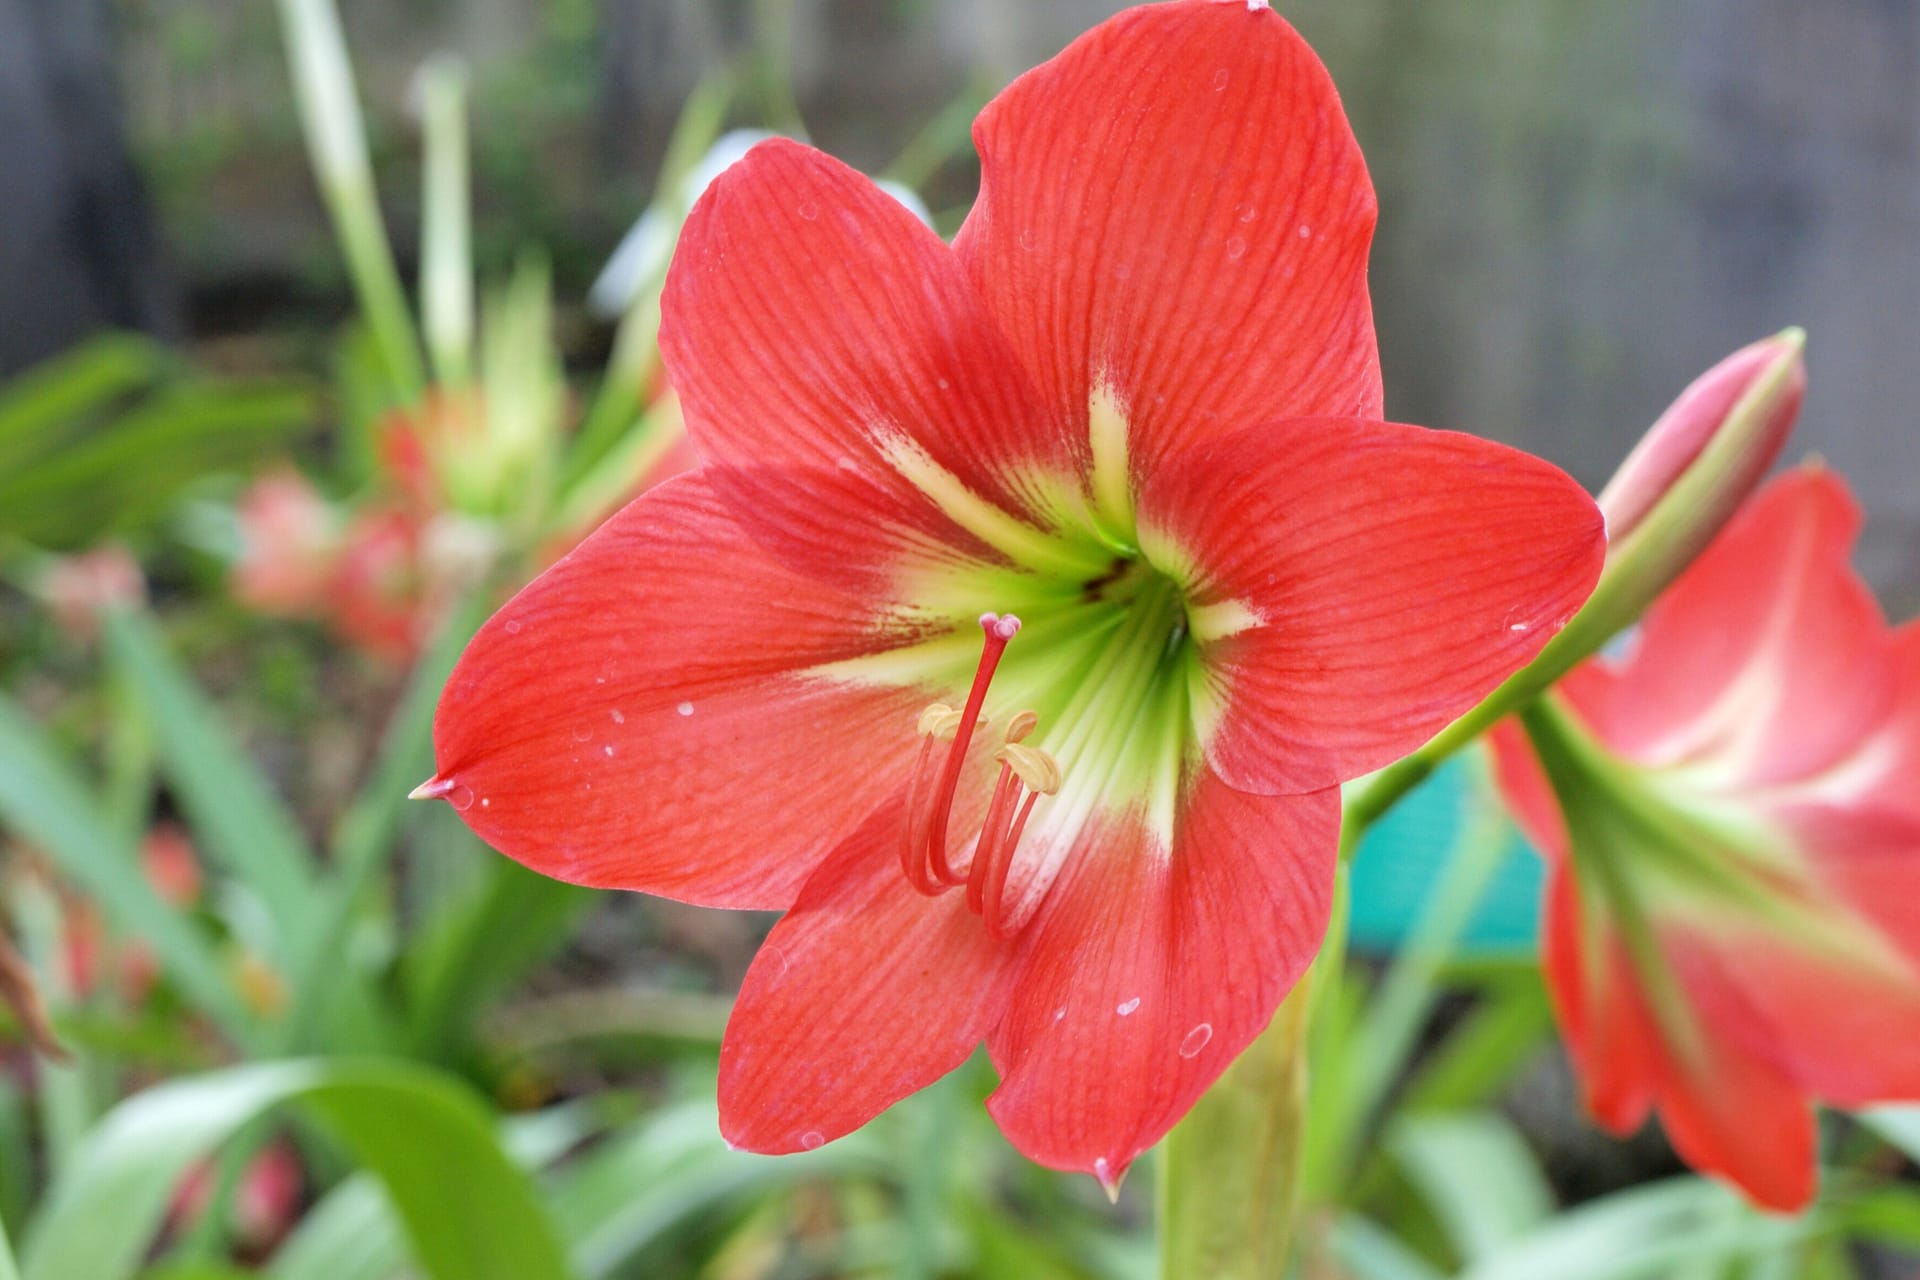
column 1026, row 774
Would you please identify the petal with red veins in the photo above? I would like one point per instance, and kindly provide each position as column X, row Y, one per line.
column 1354, row 586
column 863, row 993
column 1176, row 208
column 1148, row 970
column 643, row 715
column 1727, row 1107
column 1769, row 658
column 1609, row 1033
column 811, row 323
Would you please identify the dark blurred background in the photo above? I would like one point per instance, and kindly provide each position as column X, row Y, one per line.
column 1583, row 204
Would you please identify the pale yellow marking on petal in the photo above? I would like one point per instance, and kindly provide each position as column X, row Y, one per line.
column 1014, row 538
column 1112, row 478
column 1209, row 622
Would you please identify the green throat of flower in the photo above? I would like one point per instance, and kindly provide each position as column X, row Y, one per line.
column 1087, row 712
column 1648, row 850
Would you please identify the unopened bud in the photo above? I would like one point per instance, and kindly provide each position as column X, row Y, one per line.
column 1742, row 410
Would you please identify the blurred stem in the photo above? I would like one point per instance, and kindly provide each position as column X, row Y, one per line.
column 446, row 236
column 128, row 785
column 633, row 366
column 363, row 843
column 1230, row 1176
column 9, row 1269
column 773, row 70
column 337, row 145
column 66, row 1107
column 926, row 1184
column 1405, row 998
column 943, row 137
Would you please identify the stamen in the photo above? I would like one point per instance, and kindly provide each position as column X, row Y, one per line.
column 1023, row 769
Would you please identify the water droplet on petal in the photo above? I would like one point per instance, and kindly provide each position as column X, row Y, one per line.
column 813, row 1139
column 685, row 708
column 486, row 802
column 1059, row 1014
column 1236, row 248
column 608, row 749
column 513, row 626
column 1248, row 213
column 1306, row 232
column 461, row 798
column 1196, row 1040
column 582, row 733
column 619, row 717
column 1220, row 79
column 1128, row 1007
column 808, row 212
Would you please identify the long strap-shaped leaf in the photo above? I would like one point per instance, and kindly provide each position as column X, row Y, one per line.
column 43, row 798
column 468, row 1210
column 235, row 815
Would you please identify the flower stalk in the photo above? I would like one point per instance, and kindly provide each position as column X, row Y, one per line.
column 1230, row 1174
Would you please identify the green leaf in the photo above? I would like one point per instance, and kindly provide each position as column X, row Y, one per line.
column 475, row 950
column 622, row 1199
column 125, row 470
column 237, row 819
column 1507, row 1194
column 469, row 1212
column 1645, row 1234
column 38, row 407
column 1369, row 1252
column 43, row 798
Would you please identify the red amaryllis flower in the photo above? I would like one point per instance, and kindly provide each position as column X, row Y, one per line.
column 1733, row 824
column 1134, row 406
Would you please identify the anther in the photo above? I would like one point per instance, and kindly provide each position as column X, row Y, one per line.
column 1040, row 771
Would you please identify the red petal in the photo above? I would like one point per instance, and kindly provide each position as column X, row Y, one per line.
column 863, row 993
column 808, row 320
column 641, row 716
column 1148, row 972
column 1397, row 575
column 1733, row 1110
column 1176, row 206
column 1610, row 1037
column 1769, row 657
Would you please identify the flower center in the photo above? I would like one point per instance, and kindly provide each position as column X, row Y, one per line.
column 1111, row 668
column 1026, row 773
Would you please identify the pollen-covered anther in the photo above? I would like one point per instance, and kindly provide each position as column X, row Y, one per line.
column 939, row 721
column 1037, row 769
column 1021, row 726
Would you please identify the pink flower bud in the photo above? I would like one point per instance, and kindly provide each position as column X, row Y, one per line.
column 1753, row 394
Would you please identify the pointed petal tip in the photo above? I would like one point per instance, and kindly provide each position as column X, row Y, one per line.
column 1110, row 1176
column 434, row 788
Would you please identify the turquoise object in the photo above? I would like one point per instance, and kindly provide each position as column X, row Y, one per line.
column 1401, row 863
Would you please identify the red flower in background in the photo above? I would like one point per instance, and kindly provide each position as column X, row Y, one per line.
column 289, row 545
column 1136, row 403
column 1733, row 826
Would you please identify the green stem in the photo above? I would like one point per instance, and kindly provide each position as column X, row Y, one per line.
column 1230, row 1172
column 337, row 143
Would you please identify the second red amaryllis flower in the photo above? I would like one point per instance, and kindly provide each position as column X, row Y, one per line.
column 1733, row 824
column 1135, row 406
